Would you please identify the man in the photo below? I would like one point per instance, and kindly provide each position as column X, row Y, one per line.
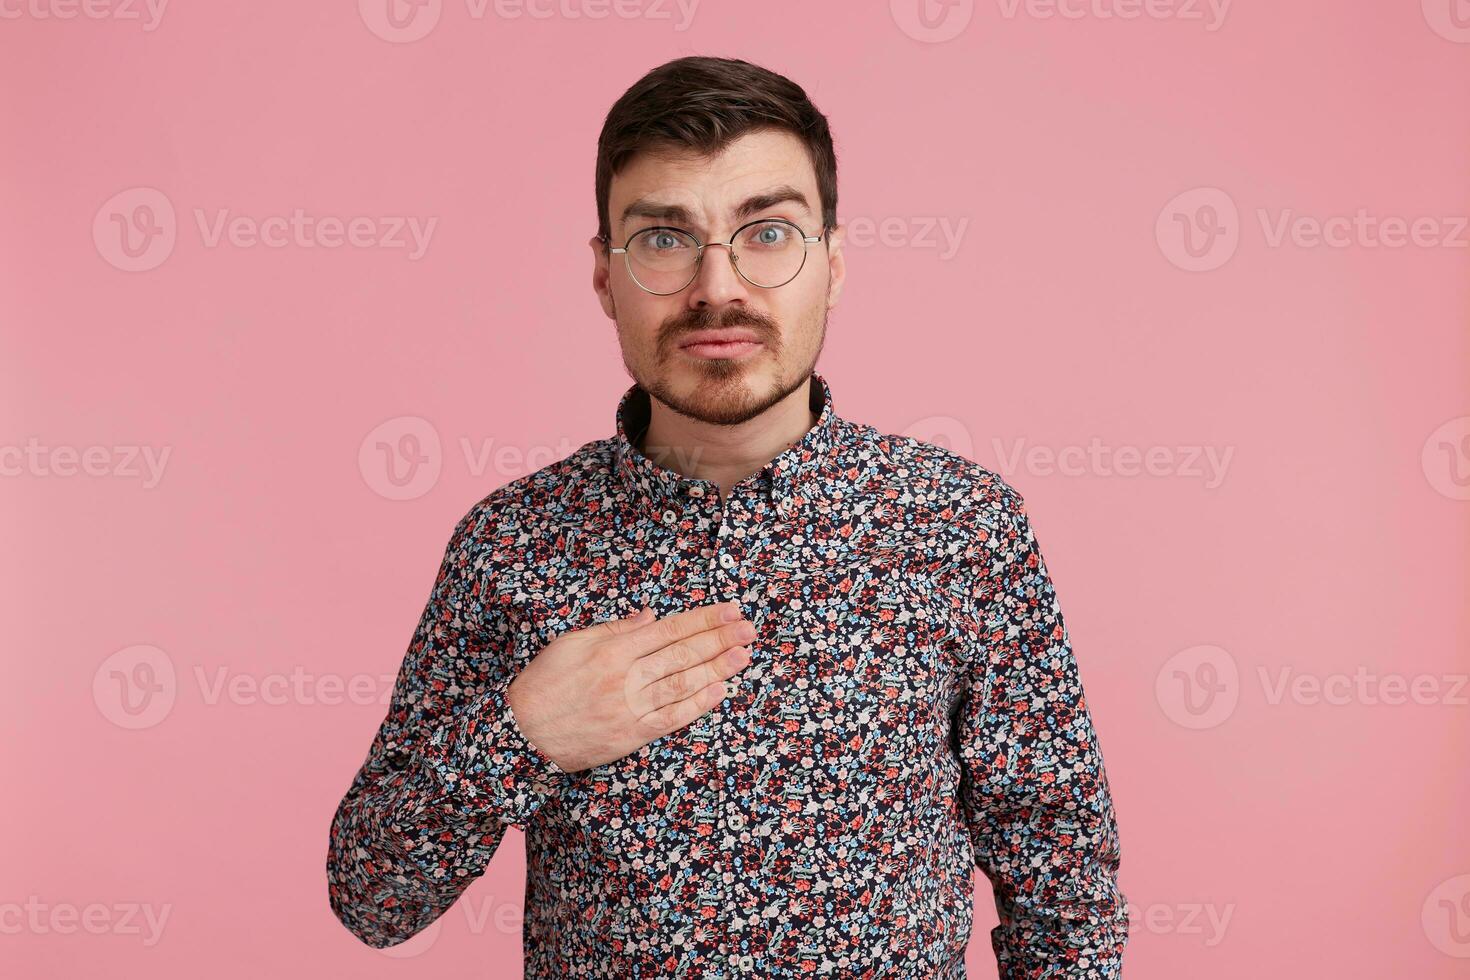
column 761, row 685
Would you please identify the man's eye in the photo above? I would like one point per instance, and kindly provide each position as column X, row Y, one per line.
column 663, row 241
column 768, row 236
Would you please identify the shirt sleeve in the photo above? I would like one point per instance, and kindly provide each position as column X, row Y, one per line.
column 1033, row 788
column 449, row 768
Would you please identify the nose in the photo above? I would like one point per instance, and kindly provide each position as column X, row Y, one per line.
column 717, row 282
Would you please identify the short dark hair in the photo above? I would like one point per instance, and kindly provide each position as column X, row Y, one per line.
column 704, row 104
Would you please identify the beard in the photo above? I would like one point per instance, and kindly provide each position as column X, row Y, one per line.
column 726, row 391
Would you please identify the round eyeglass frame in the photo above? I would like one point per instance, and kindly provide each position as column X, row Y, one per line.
column 806, row 242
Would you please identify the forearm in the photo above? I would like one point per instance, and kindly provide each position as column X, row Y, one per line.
column 1064, row 921
column 1034, row 787
column 419, row 825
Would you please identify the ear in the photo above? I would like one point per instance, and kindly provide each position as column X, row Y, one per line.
column 836, row 264
column 602, row 277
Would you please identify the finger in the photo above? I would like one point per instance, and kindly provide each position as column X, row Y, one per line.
column 677, row 686
column 675, row 715
column 618, row 627
column 671, row 629
column 691, row 652
column 628, row 624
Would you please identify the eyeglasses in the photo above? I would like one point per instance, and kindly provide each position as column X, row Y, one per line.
column 767, row 253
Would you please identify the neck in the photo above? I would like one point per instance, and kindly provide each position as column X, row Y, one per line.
column 726, row 454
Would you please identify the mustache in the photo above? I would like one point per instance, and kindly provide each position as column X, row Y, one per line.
column 690, row 321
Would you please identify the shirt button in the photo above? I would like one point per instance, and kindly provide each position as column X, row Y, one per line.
column 670, row 516
column 727, row 560
column 736, row 821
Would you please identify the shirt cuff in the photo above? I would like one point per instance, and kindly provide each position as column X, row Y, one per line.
column 491, row 764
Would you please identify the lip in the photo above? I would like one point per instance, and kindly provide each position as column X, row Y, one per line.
column 720, row 344
column 730, row 335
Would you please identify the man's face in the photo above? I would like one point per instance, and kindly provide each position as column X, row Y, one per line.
column 720, row 384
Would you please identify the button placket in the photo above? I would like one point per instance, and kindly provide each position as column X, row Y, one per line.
column 731, row 771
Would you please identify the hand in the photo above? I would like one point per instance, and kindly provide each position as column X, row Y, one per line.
column 598, row 694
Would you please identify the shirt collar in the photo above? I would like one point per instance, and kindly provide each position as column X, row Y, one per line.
column 792, row 476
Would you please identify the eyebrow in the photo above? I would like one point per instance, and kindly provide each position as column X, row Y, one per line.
column 748, row 208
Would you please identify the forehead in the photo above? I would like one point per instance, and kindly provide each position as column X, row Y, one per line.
column 710, row 188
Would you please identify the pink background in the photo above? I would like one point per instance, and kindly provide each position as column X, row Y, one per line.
column 1266, row 831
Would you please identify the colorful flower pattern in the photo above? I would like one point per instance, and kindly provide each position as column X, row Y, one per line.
column 912, row 711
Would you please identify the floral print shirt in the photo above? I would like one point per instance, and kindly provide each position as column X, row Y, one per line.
column 912, row 711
